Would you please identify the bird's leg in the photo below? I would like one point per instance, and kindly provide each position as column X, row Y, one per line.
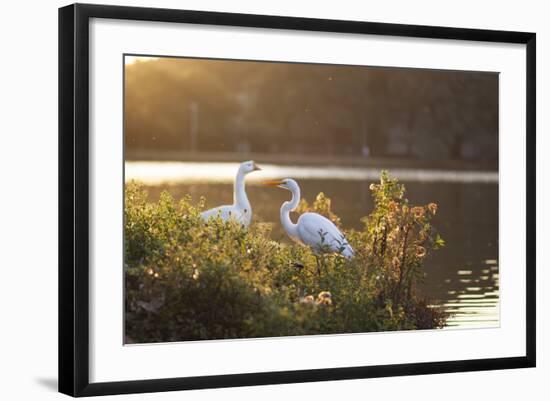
column 318, row 265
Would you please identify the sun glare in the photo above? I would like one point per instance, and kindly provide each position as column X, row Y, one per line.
column 128, row 60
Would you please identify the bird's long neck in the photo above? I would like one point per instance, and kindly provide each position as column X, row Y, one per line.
column 289, row 206
column 239, row 193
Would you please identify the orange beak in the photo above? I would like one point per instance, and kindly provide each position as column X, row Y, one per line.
column 272, row 183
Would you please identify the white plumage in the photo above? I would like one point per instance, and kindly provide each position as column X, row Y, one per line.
column 240, row 210
column 311, row 229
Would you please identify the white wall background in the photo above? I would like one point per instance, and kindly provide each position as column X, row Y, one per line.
column 28, row 199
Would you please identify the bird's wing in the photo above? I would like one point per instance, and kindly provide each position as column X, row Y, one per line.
column 226, row 213
column 313, row 227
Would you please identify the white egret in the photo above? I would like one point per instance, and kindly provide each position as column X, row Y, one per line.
column 312, row 229
column 240, row 210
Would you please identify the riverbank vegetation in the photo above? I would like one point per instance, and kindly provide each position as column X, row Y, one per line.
column 187, row 280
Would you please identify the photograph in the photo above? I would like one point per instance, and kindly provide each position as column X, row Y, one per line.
column 272, row 199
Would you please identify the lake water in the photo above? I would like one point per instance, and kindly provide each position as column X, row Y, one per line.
column 463, row 275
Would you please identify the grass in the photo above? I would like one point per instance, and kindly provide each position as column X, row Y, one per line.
column 187, row 280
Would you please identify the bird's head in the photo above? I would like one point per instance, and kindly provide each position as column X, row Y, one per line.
column 249, row 167
column 286, row 183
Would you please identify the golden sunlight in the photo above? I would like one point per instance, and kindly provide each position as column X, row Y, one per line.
column 128, row 60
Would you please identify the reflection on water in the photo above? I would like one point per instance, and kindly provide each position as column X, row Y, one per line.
column 463, row 275
column 185, row 172
column 473, row 297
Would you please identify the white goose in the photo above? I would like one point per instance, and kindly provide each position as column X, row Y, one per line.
column 312, row 229
column 240, row 210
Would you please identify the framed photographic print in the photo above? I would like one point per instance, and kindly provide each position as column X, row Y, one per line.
column 250, row 199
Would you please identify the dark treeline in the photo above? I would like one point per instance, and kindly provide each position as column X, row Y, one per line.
column 229, row 106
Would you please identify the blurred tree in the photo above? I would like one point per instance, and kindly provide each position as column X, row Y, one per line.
column 236, row 106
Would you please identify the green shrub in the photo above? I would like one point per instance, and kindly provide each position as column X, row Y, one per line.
column 187, row 280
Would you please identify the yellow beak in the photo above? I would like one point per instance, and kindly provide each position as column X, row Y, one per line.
column 272, row 183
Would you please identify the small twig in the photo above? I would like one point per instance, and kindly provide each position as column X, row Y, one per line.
column 384, row 241
column 375, row 239
column 402, row 265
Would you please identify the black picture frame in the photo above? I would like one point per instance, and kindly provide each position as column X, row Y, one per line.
column 74, row 198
